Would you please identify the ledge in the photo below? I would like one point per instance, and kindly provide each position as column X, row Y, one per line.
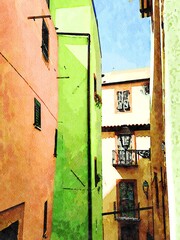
column 125, row 165
column 128, row 219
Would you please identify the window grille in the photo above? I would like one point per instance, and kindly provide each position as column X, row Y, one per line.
column 123, row 101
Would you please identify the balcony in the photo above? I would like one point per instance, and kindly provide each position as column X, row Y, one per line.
column 128, row 158
column 128, row 215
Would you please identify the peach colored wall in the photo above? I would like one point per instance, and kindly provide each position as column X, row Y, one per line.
column 10, row 216
column 27, row 161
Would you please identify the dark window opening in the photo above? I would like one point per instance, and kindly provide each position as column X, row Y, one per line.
column 37, row 113
column 130, row 232
column 95, row 84
column 156, row 189
column 48, row 1
column 11, row 232
column 127, row 199
column 96, row 175
column 97, row 97
column 45, row 220
column 55, row 144
column 146, row 89
column 45, row 41
column 123, row 101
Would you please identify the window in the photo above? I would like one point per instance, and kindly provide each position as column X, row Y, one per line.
column 126, row 195
column 37, row 114
column 96, row 175
column 55, row 143
column 11, row 232
column 97, row 97
column 48, row 2
column 123, row 101
column 45, row 41
column 95, row 84
column 156, row 189
column 45, row 220
column 130, row 232
column 95, row 171
column 126, row 157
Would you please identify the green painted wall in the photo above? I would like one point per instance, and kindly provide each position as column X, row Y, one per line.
column 172, row 95
column 70, row 212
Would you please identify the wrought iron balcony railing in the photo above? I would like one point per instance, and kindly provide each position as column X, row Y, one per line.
column 132, row 215
column 127, row 158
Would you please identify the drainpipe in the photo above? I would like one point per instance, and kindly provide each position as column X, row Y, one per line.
column 89, row 128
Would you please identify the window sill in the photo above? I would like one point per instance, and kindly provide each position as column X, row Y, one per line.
column 38, row 128
column 125, row 165
column 128, row 219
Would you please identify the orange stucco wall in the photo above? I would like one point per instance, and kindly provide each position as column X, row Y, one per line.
column 27, row 162
column 160, row 193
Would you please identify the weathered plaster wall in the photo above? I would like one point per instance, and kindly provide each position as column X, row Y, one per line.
column 27, row 161
column 141, row 173
column 138, row 114
column 110, row 177
column 172, row 76
column 71, row 218
column 71, row 191
column 159, row 186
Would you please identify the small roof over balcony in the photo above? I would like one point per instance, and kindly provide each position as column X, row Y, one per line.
column 125, row 100
column 126, row 76
column 132, row 127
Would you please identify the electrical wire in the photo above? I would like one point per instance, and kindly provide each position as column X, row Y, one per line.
column 28, row 84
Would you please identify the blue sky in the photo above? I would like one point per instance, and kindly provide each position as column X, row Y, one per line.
column 124, row 35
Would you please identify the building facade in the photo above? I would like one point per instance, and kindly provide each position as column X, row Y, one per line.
column 78, row 192
column 161, row 110
column 28, row 109
column 127, row 207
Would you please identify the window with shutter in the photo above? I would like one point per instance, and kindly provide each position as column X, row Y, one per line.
column 45, row 41
column 45, row 220
column 37, row 114
column 55, row 143
column 123, row 101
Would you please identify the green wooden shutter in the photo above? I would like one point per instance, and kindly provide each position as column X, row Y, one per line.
column 37, row 113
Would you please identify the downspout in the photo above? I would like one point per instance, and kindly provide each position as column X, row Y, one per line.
column 89, row 128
